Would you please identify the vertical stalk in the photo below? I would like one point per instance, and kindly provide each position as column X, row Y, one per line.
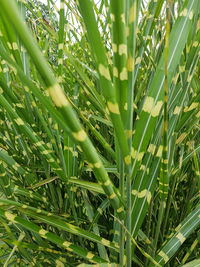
column 119, row 46
column 131, row 22
column 120, row 79
column 122, row 233
column 61, row 39
column 164, row 179
column 128, row 222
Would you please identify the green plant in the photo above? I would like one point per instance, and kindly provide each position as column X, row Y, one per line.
column 99, row 154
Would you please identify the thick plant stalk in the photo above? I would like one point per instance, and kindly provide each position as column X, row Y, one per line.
column 164, row 176
column 120, row 81
column 132, row 23
column 119, row 47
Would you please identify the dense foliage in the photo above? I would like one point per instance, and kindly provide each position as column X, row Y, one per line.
column 99, row 133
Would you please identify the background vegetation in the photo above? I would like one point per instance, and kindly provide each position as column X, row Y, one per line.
column 99, row 133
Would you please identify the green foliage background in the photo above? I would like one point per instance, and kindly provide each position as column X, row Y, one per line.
column 99, row 133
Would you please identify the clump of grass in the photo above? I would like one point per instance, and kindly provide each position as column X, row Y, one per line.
column 99, row 119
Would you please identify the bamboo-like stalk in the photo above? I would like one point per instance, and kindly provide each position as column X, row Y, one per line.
column 164, row 175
